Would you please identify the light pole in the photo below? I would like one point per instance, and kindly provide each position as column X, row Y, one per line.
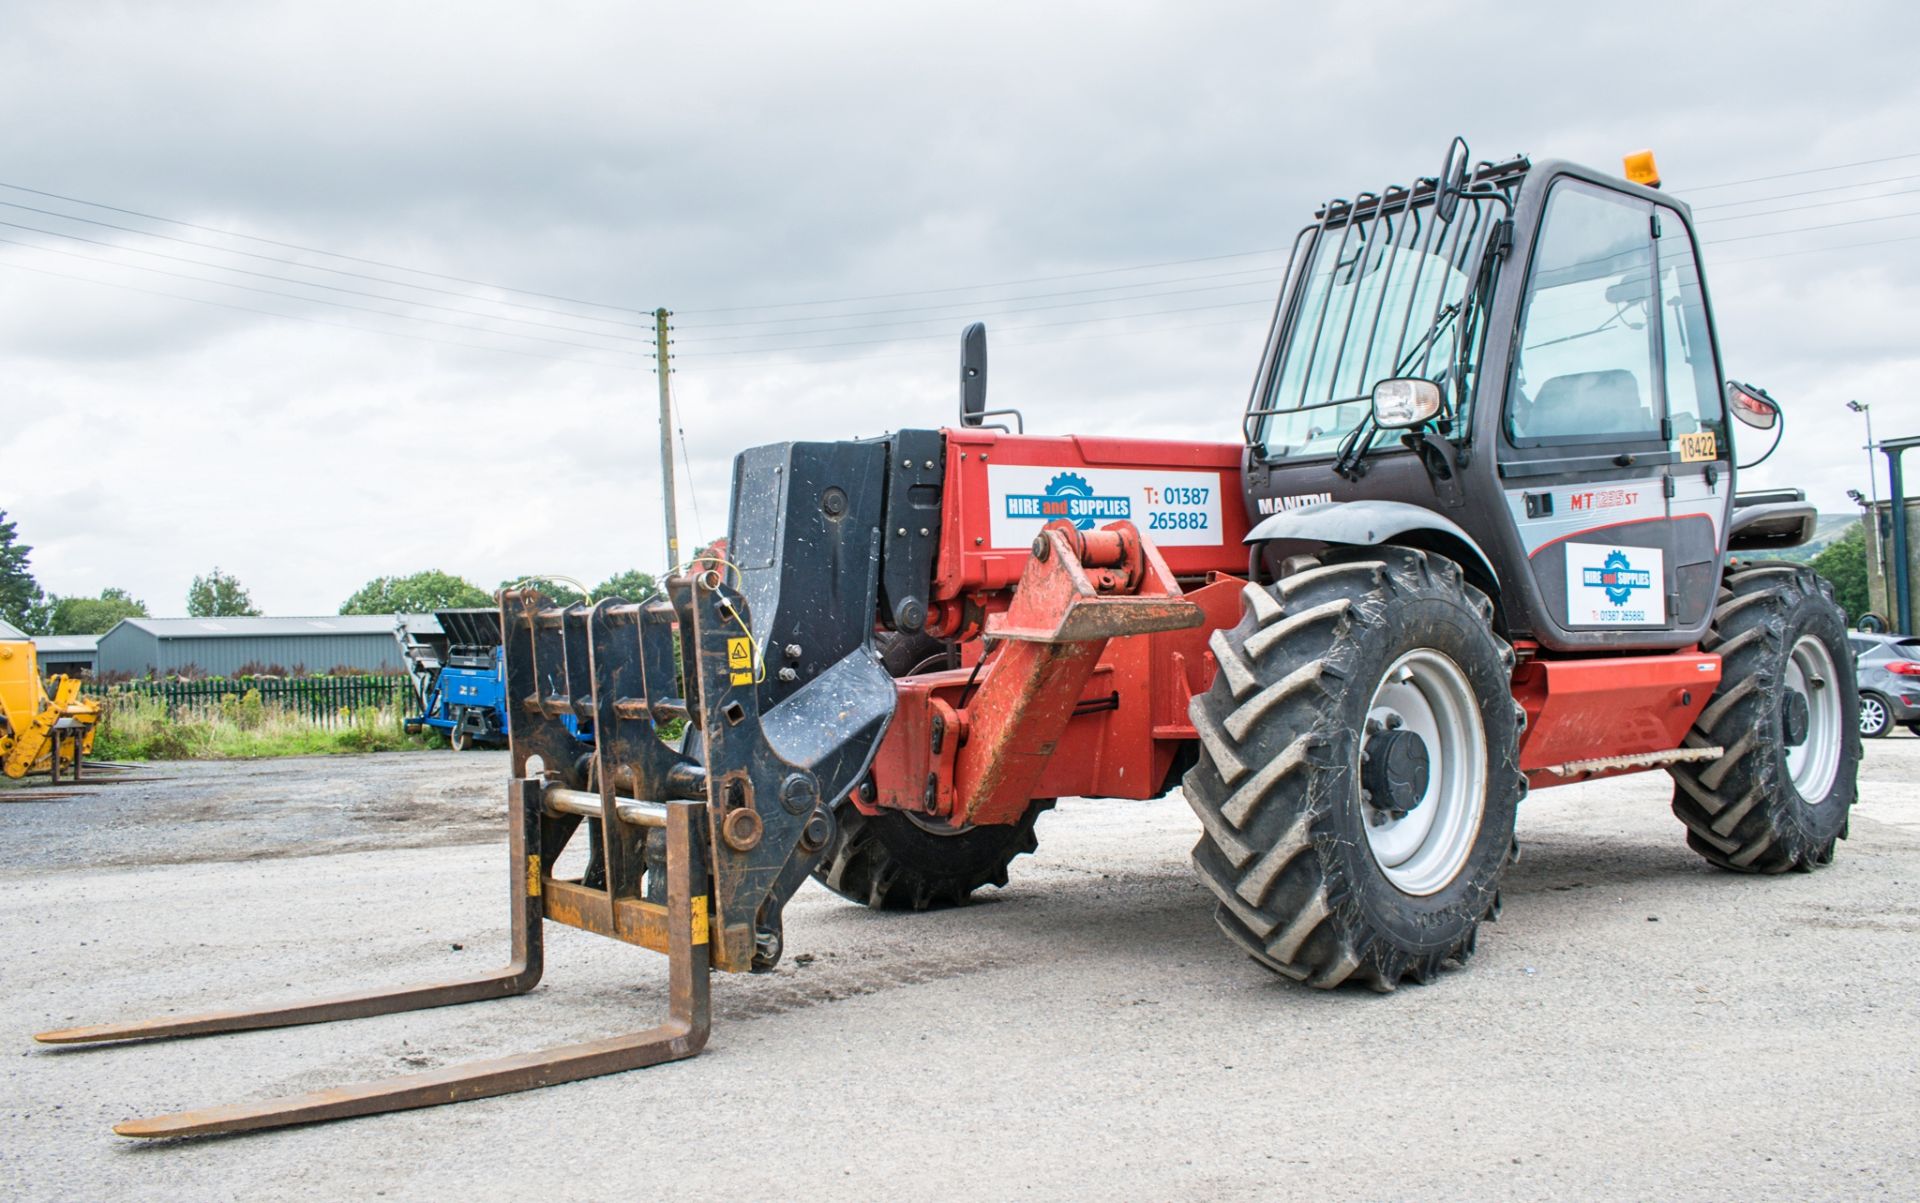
column 1873, row 489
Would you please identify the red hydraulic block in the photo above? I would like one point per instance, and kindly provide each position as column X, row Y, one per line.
column 1077, row 591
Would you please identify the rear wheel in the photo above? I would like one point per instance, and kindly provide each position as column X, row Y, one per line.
column 460, row 738
column 1875, row 719
column 1788, row 713
column 1357, row 779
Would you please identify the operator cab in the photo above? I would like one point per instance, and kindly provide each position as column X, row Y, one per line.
column 1513, row 364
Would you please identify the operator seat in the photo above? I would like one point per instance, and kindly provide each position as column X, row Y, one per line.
column 1582, row 403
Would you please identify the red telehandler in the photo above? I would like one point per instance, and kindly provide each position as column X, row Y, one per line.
column 1480, row 534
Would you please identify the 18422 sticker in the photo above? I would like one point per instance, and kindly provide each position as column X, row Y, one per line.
column 1698, row 446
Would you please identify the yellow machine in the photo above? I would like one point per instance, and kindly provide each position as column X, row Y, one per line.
column 40, row 733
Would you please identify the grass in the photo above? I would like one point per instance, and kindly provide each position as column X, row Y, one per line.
column 241, row 727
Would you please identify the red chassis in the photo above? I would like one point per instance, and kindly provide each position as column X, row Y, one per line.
column 1097, row 568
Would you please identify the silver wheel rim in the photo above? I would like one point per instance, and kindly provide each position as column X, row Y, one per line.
column 1424, row 850
column 1813, row 765
column 1873, row 715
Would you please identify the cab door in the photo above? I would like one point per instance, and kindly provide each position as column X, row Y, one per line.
column 1701, row 476
column 1585, row 446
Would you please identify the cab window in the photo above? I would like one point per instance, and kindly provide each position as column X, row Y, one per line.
column 1693, row 390
column 1584, row 367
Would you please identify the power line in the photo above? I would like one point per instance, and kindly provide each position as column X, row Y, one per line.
column 704, row 355
column 1031, row 342
column 1760, row 179
column 1817, row 250
column 693, row 491
column 1832, row 225
column 869, row 342
column 928, row 292
column 1211, row 258
column 1029, row 296
column 314, row 321
column 1851, row 200
column 269, row 275
column 292, row 246
column 274, row 292
column 1894, row 179
column 1175, row 292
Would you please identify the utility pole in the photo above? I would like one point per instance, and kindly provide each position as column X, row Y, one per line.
column 1873, row 492
column 662, row 366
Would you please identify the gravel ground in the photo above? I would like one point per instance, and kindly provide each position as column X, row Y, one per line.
column 1638, row 1025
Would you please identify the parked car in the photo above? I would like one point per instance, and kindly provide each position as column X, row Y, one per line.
column 1889, row 670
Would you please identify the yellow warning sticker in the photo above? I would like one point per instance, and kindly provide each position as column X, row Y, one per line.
column 533, row 875
column 1698, row 446
column 700, row 920
column 740, row 659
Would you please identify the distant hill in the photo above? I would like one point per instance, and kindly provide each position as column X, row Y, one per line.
column 1826, row 528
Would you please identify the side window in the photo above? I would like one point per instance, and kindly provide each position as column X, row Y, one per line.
column 1693, row 387
column 1584, row 370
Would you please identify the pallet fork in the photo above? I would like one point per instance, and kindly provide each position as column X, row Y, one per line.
column 692, row 855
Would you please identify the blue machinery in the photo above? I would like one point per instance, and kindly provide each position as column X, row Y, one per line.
column 459, row 678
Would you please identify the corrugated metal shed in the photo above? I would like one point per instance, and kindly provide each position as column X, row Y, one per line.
column 218, row 647
column 68, row 655
column 9, row 631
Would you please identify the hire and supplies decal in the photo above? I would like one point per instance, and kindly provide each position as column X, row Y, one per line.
column 1177, row 509
column 1615, row 586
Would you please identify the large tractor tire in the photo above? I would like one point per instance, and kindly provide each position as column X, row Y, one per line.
column 1787, row 712
column 1357, row 779
column 898, row 861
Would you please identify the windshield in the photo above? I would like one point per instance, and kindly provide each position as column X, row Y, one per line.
column 1388, row 294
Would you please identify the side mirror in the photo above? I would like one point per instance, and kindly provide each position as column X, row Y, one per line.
column 973, row 374
column 1404, row 401
column 1752, row 405
column 1452, row 180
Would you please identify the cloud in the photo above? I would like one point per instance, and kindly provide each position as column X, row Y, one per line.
column 649, row 155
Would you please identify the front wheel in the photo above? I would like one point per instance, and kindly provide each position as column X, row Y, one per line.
column 1357, row 780
column 898, row 861
column 459, row 738
column 1787, row 712
column 1875, row 719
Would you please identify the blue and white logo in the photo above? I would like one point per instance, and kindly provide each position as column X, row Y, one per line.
column 1069, row 496
column 1618, row 577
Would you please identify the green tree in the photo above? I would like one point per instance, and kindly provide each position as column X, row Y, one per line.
column 633, row 584
column 421, row 593
column 557, row 592
column 219, row 595
column 1844, row 563
column 22, row 602
column 94, row 615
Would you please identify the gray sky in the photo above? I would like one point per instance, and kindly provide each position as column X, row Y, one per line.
column 643, row 155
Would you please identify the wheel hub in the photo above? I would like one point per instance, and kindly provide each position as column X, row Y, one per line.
column 1422, row 771
column 1795, row 717
column 1395, row 769
column 1812, row 720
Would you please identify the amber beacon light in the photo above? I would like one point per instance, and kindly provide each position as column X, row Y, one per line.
column 1641, row 168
